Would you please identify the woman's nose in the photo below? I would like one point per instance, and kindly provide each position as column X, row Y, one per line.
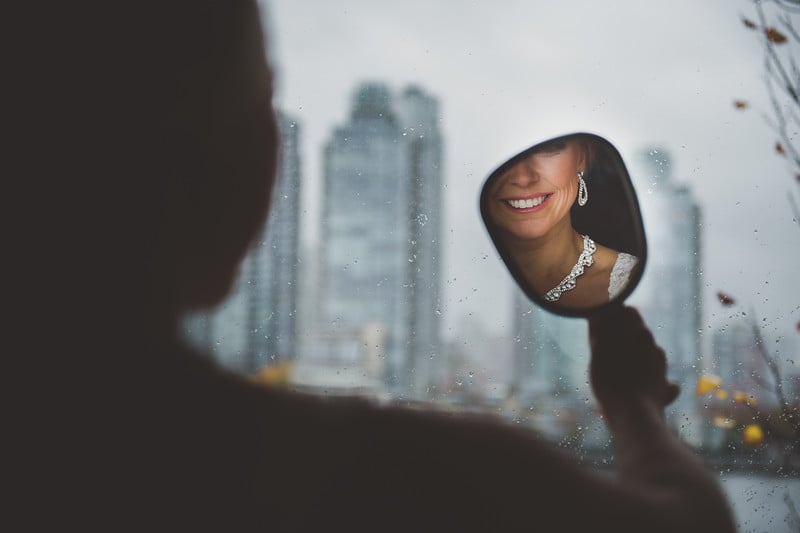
column 524, row 175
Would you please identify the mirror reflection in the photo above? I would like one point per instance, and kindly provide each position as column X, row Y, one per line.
column 565, row 220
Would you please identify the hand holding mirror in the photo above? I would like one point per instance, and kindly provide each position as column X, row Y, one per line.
column 564, row 217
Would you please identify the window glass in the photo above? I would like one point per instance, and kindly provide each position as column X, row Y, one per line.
column 375, row 275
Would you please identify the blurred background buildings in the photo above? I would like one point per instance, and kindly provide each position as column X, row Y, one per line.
column 670, row 294
column 371, row 311
column 360, row 312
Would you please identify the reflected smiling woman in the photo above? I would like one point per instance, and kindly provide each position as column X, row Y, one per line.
column 573, row 252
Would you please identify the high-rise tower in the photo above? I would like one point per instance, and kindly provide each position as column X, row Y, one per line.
column 419, row 118
column 670, row 294
column 381, row 237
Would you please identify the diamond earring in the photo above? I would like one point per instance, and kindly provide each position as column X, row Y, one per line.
column 583, row 192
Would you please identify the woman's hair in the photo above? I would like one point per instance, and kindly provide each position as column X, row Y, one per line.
column 607, row 216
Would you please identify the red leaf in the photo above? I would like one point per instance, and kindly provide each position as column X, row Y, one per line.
column 725, row 300
column 779, row 149
column 749, row 23
column 774, row 36
column 740, row 104
column 798, row 326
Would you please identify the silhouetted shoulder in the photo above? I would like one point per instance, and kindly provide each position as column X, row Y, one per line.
column 373, row 468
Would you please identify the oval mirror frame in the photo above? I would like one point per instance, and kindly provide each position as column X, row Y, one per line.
column 619, row 229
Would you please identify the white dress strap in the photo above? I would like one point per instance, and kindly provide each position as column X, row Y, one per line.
column 620, row 274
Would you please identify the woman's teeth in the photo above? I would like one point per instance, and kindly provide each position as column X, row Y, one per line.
column 528, row 202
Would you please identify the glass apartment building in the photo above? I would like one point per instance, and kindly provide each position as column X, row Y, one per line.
column 380, row 239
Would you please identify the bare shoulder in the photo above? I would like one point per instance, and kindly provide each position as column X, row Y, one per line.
column 605, row 258
column 600, row 272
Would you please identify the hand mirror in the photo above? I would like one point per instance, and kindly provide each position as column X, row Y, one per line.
column 565, row 219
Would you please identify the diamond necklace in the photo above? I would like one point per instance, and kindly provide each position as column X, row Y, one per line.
column 568, row 283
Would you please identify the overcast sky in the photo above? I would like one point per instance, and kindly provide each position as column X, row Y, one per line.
column 508, row 73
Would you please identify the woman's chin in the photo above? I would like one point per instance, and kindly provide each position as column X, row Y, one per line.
column 525, row 234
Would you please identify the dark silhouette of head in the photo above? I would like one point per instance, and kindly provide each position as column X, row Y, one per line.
column 149, row 146
column 164, row 172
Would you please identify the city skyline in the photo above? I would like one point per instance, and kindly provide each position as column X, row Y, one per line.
column 363, row 321
column 257, row 324
column 669, row 79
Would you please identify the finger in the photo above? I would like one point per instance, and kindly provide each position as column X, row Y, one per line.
column 671, row 394
column 634, row 323
column 661, row 358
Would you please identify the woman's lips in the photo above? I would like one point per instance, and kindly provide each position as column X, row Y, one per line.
column 527, row 204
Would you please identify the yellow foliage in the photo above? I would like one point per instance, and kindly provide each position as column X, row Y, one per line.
column 721, row 394
column 743, row 397
column 707, row 383
column 724, row 422
column 753, row 435
column 276, row 375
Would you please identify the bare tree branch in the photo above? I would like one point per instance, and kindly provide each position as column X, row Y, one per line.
column 786, row 5
column 793, row 514
column 783, row 115
column 787, row 24
column 772, row 364
column 781, row 127
column 795, row 71
column 793, row 116
column 762, row 383
column 795, row 210
column 770, row 49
